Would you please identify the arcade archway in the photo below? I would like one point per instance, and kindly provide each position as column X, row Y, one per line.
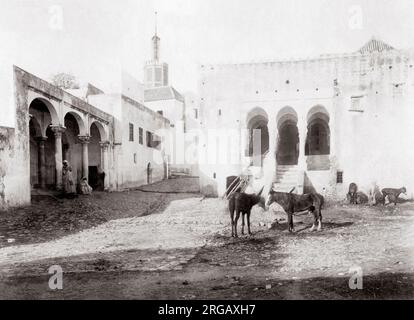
column 258, row 141
column 318, row 137
column 288, row 137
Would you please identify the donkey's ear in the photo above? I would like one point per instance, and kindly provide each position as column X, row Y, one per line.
column 260, row 192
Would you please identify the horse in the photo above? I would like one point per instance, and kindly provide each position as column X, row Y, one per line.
column 242, row 203
column 292, row 203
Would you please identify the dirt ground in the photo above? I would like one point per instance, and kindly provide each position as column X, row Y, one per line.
column 168, row 245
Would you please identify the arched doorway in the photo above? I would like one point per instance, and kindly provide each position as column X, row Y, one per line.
column 96, row 174
column 317, row 141
column 72, row 149
column 149, row 173
column 42, row 145
column 258, row 141
column 35, row 168
column 288, row 137
column 318, row 137
column 317, row 147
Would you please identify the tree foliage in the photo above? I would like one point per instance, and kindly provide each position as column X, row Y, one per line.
column 65, row 81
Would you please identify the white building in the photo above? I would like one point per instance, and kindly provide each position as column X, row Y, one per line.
column 323, row 123
column 41, row 125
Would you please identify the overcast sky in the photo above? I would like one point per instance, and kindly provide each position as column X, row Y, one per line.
column 95, row 39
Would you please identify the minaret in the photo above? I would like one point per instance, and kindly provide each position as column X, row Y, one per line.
column 156, row 72
column 156, row 42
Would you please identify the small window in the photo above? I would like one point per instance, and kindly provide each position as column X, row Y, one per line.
column 339, row 177
column 214, row 175
column 219, row 112
column 356, row 104
column 141, row 135
column 135, row 158
column 161, row 112
column 149, row 139
column 131, row 132
column 195, row 113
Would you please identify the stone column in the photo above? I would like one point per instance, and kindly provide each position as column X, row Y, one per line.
column 85, row 156
column 273, row 133
column 105, row 162
column 302, row 166
column 303, row 131
column 58, row 130
column 42, row 161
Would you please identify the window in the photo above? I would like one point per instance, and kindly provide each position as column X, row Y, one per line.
column 356, row 104
column 339, row 177
column 161, row 112
column 135, row 158
column 141, row 135
column 131, row 132
column 156, row 141
column 158, row 74
column 219, row 112
column 149, row 139
column 195, row 113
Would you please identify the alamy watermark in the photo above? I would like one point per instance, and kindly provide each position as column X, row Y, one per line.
column 56, row 280
column 356, row 279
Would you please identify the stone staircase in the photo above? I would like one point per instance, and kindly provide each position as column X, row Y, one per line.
column 286, row 178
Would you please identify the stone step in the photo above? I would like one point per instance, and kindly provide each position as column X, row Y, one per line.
column 287, row 181
column 283, row 187
column 285, row 168
column 287, row 173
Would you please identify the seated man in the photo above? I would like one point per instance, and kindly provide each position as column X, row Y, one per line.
column 85, row 188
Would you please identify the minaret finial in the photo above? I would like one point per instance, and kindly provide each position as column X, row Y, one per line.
column 156, row 13
column 156, row 40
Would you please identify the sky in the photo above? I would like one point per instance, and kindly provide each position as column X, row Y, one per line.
column 97, row 40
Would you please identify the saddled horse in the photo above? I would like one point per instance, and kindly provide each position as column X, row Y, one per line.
column 292, row 203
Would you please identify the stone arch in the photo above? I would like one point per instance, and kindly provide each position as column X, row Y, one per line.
column 42, row 114
column 33, row 98
column 318, row 134
column 79, row 120
column 318, row 111
column 96, row 175
column 101, row 128
column 71, row 148
column 257, row 124
column 286, row 113
column 287, row 151
column 256, row 112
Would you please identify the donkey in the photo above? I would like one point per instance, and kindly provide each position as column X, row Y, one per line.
column 242, row 203
column 292, row 203
column 392, row 194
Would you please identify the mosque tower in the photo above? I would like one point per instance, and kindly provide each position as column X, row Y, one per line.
column 155, row 72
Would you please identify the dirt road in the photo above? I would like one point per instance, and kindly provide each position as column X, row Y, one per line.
column 184, row 251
